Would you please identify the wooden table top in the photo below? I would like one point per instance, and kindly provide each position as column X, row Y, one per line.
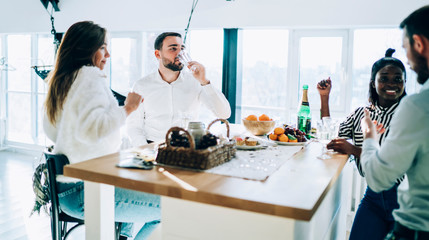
column 295, row 190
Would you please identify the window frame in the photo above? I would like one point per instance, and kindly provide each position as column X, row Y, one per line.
column 294, row 92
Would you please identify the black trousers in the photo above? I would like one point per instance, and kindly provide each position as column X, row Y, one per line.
column 400, row 232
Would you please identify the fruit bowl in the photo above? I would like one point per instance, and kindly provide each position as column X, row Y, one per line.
column 258, row 127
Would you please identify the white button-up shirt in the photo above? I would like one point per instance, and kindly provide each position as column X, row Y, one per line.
column 165, row 104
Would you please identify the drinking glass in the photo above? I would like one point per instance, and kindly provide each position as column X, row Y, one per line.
column 185, row 118
column 185, row 58
column 323, row 136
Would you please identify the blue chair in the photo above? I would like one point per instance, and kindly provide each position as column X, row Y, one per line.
column 55, row 164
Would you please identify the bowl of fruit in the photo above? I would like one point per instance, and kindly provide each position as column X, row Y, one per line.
column 288, row 135
column 258, row 125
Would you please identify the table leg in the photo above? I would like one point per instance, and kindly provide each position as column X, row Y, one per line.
column 183, row 219
column 99, row 211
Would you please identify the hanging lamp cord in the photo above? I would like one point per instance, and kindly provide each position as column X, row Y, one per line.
column 194, row 4
column 53, row 31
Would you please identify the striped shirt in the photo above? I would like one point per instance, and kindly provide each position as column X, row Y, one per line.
column 351, row 127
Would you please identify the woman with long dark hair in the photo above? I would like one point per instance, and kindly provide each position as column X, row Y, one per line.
column 373, row 218
column 83, row 119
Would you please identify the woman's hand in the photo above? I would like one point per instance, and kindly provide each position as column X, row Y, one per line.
column 132, row 102
column 341, row 145
column 324, row 87
column 199, row 72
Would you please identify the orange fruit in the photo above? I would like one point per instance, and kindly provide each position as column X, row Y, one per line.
column 252, row 118
column 283, row 138
column 264, row 117
column 294, row 140
column 279, row 130
column 273, row 136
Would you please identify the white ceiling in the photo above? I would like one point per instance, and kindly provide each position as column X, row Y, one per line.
column 137, row 15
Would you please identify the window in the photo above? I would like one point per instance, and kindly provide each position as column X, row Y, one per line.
column 320, row 54
column 25, row 90
column 125, row 62
column 206, row 47
column 275, row 65
column 149, row 62
column 264, row 73
column 132, row 57
column 45, row 57
column 19, row 89
column 3, row 69
column 369, row 46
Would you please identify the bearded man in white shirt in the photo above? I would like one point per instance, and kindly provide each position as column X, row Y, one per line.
column 169, row 93
column 406, row 149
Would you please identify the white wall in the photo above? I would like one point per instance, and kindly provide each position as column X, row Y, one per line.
column 134, row 15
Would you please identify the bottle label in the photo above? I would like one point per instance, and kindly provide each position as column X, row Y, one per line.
column 301, row 123
column 308, row 126
column 304, row 124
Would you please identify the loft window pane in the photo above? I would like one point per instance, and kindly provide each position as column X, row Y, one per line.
column 265, row 55
column 149, row 62
column 320, row 58
column 124, row 67
column 46, row 56
column 19, row 118
column 41, row 137
column 205, row 46
column 19, row 56
column 369, row 46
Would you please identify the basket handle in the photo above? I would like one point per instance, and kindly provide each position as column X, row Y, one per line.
column 222, row 120
column 178, row 129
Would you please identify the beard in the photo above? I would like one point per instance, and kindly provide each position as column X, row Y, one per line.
column 420, row 66
column 172, row 66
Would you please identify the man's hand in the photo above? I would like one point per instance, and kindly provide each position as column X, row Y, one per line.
column 132, row 102
column 199, row 72
column 370, row 128
column 324, row 87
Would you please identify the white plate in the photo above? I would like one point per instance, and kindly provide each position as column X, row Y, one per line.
column 245, row 147
column 291, row 143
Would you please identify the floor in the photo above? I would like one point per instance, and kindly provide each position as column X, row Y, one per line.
column 17, row 198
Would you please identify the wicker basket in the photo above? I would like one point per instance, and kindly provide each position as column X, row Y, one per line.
column 192, row 158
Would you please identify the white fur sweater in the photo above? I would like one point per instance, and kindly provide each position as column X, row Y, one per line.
column 89, row 124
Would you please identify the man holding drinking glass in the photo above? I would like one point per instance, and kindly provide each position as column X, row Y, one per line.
column 171, row 94
column 406, row 149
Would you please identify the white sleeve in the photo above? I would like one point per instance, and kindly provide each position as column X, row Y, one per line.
column 215, row 101
column 50, row 130
column 99, row 114
column 382, row 166
column 136, row 120
column 135, row 127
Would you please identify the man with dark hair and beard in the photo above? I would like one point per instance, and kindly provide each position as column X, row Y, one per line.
column 171, row 94
column 406, row 149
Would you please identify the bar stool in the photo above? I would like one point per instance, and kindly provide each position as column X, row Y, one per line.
column 55, row 164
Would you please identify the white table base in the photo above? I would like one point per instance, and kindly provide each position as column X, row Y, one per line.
column 182, row 219
column 99, row 211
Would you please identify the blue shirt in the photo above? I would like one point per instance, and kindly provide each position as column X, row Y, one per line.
column 404, row 151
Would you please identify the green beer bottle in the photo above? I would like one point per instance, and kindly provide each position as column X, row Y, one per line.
column 304, row 114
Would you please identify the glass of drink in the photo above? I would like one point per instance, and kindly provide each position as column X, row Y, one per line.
column 324, row 136
column 185, row 58
column 185, row 118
